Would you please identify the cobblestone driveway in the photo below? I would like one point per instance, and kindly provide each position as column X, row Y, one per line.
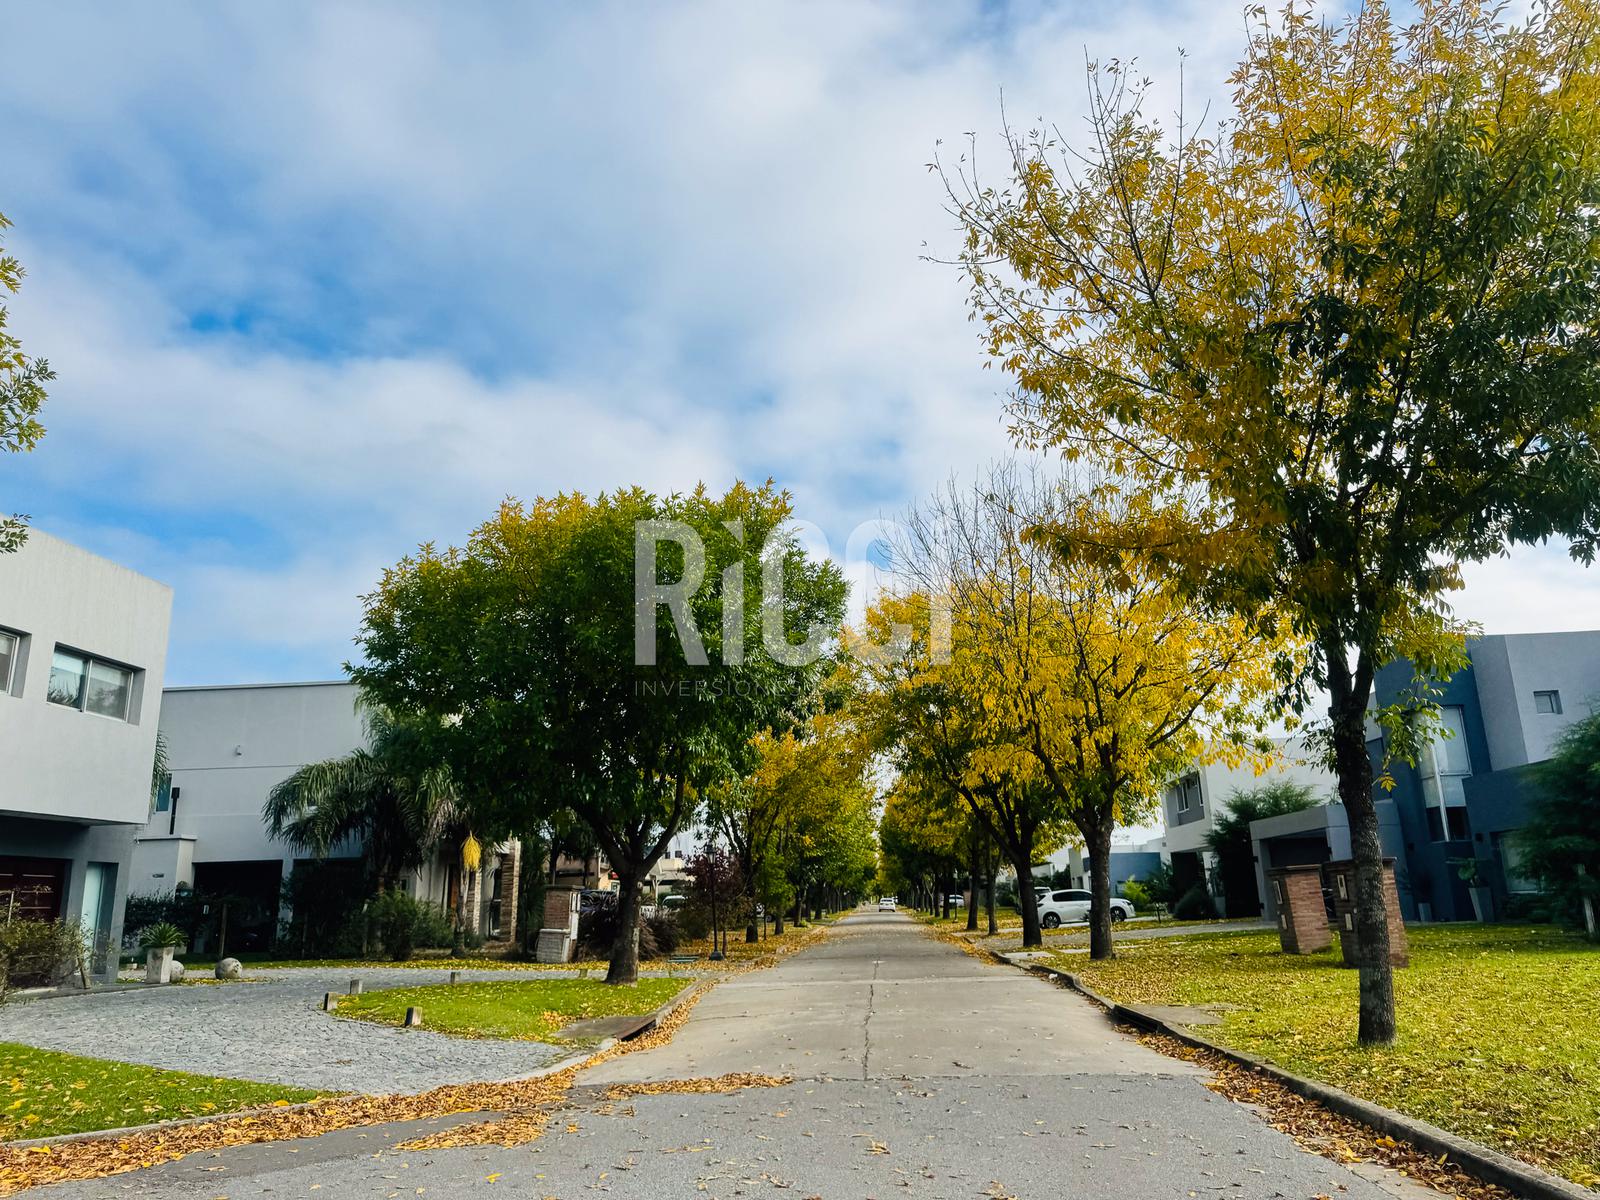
column 273, row 1030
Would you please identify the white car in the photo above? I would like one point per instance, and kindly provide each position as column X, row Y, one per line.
column 1073, row 905
column 886, row 904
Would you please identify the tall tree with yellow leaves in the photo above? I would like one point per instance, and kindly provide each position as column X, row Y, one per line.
column 1354, row 324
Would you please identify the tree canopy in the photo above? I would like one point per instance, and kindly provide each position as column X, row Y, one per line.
column 1336, row 343
column 525, row 648
column 22, row 393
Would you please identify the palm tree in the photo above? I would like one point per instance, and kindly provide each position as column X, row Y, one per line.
column 388, row 796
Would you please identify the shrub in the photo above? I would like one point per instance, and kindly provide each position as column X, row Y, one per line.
column 1160, row 886
column 161, row 935
column 325, row 898
column 1137, row 894
column 38, row 953
column 433, row 928
column 1195, row 905
column 663, row 933
column 402, row 923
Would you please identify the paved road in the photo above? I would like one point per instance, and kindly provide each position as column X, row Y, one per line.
column 919, row 1072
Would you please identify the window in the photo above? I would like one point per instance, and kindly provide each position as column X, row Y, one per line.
column 8, row 660
column 90, row 685
column 164, row 792
column 1186, row 794
column 1547, row 702
column 1444, row 765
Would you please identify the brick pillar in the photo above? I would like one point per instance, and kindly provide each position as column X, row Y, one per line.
column 559, row 932
column 1302, row 919
column 1342, row 879
column 510, row 878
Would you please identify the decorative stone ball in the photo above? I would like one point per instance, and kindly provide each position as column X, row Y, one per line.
column 229, row 968
column 177, row 972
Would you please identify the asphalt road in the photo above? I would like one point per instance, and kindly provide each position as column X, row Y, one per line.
column 918, row 1072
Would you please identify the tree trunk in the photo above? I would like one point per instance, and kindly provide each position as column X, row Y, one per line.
column 988, row 898
column 972, row 887
column 1354, row 768
column 1029, row 904
column 624, row 965
column 1098, row 838
column 777, row 922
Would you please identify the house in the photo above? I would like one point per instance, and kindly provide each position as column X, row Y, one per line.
column 1127, row 862
column 1191, row 804
column 1500, row 715
column 227, row 748
column 83, row 648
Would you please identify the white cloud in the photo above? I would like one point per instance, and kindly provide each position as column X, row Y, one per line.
column 514, row 250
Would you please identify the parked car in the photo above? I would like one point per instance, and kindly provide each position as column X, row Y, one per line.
column 886, row 904
column 1072, row 904
column 957, row 901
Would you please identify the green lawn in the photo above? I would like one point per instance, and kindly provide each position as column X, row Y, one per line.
column 1499, row 1033
column 531, row 1010
column 44, row 1093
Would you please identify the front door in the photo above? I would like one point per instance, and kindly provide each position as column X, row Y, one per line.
column 32, row 888
column 99, row 892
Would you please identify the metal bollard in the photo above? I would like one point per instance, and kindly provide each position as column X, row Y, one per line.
column 455, row 977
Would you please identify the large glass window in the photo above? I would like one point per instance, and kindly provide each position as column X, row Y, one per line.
column 8, row 661
column 68, row 674
column 90, row 685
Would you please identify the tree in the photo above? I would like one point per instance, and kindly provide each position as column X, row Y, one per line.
column 1094, row 680
column 928, row 714
column 386, row 796
column 1229, row 838
column 1353, row 326
column 920, row 838
column 605, row 656
column 22, row 394
column 1561, row 841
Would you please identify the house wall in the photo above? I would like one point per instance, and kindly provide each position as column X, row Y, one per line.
column 227, row 747
column 1511, row 667
column 76, row 784
column 1187, row 832
column 61, row 763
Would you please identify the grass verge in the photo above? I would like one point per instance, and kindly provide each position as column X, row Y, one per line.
column 44, row 1093
column 1498, row 1037
column 525, row 1010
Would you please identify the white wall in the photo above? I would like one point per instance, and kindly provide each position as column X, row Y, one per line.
column 60, row 762
column 227, row 747
column 1219, row 781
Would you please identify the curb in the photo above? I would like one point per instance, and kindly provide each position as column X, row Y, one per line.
column 1522, row 1179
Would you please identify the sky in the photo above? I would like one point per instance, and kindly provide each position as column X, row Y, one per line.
column 322, row 282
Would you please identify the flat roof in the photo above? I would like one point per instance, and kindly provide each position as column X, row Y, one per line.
column 240, row 687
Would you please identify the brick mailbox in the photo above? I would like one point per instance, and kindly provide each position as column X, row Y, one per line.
column 558, row 933
column 1302, row 919
column 1342, row 879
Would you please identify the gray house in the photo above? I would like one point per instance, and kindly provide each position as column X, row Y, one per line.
column 83, row 647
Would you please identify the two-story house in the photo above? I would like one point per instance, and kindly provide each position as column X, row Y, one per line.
column 83, row 647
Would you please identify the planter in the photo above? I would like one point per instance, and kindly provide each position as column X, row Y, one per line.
column 1482, row 904
column 158, row 964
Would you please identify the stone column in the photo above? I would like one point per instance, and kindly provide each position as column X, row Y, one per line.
column 1302, row 920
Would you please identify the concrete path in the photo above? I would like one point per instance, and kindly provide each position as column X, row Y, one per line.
column 919, row 1072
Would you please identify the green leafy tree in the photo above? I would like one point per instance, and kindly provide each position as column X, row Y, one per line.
column 1561, row 841
column 1229, row 838
column 22, row 393
column 1353, row 328
column 522, row 648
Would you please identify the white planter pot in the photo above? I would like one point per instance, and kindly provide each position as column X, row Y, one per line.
column 1482, row 903
column 158, row 964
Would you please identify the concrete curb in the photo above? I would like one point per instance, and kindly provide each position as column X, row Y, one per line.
column 1522, row 1179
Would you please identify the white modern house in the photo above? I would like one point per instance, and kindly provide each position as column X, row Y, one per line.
column 227, row 748
column 1191, row 804
column 83, row 648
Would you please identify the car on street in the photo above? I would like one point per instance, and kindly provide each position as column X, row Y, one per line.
column 957, row 901
column 886, row 904
column 1072, row 904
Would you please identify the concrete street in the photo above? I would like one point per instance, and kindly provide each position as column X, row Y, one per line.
column 918, row 1070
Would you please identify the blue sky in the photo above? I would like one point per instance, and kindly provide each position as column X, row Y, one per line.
column 324, row 281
